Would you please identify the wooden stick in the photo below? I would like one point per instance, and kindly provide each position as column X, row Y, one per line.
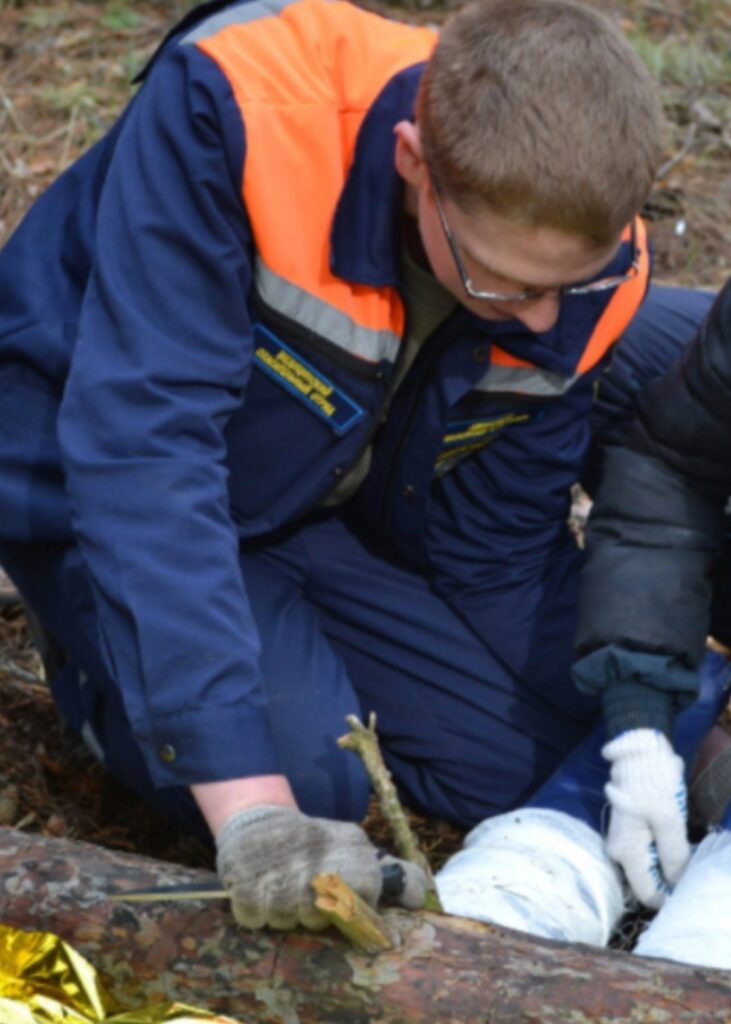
column 351, row 915
column 364, row 742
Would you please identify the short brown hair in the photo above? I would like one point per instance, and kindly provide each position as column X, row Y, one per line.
column 542, row 110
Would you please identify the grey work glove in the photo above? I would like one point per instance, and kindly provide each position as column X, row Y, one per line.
column 268, row 856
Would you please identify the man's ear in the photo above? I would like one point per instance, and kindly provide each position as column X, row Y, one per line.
column 408, row 156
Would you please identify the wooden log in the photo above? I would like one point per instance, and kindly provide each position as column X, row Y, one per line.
column 446, row 970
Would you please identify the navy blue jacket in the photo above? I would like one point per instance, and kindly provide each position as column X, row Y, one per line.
column 128, row 301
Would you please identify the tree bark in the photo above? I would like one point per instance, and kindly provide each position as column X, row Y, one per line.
column 446, row 971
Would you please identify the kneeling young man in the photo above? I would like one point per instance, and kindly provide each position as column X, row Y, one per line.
column 297, row 365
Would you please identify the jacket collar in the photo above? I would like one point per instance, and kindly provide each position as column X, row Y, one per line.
column 365, row 238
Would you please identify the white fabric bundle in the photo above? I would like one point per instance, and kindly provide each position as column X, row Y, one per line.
column 694, row 925
column 538, row 871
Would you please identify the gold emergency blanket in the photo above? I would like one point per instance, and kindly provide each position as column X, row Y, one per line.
column 45, row 981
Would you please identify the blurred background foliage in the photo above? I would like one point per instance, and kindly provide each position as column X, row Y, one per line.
column 66, row 69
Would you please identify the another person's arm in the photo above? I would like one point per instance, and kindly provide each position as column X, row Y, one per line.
column 654, row 537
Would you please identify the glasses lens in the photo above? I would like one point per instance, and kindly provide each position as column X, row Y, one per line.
column 602, row 285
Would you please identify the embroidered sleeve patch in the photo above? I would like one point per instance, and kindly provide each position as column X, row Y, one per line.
column 316, row 391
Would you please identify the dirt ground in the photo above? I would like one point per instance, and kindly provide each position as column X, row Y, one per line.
column 65, row 72
column 66, row 66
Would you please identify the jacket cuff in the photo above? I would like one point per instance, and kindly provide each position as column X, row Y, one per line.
column 209, row 746
column 633, row 705
column 639, row 689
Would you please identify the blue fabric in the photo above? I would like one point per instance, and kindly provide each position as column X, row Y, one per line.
column 577, row 788
column 127, row 291
column 463, row 736
column 725, row 822
column 667, row 319
column 307, row 689
column 137, row 436
column 344, row 625
column 342, row 630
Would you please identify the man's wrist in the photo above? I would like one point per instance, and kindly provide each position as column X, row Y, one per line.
column 219, row 801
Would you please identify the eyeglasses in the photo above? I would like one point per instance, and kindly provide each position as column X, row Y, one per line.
column 531, row 294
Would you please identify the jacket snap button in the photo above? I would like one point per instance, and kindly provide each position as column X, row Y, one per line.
column 167, row 753
column 338, row 471
column 408, row 491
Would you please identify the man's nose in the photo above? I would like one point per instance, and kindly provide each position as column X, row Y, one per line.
column 540, row 314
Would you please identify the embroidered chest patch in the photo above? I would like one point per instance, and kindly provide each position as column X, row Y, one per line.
column 469, row 436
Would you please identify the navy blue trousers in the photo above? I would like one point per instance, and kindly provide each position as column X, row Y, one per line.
column 345, row 630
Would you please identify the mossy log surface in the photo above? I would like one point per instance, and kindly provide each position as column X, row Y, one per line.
column 446, row 970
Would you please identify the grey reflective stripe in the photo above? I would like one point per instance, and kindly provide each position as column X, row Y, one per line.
column 240, row 14
column 330, row 323
column 526, row 380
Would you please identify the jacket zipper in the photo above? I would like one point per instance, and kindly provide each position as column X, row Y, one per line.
column 429, row 362
column 382, row 411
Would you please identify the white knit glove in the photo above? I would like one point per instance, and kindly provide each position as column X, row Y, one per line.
column 647, row 833
column 268, row 856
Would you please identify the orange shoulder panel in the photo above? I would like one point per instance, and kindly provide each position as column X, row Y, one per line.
column 304, row 79
column 614, row 320
column 622, row 306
